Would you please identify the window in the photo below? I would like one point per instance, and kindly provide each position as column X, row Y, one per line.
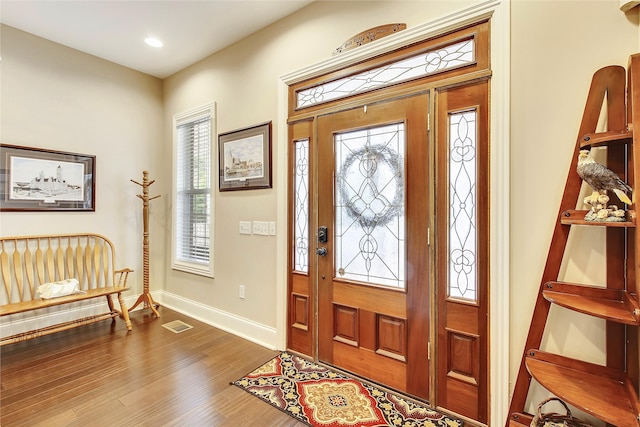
column 463, row 221
column 301, row 207
column 192, row 220
column 370, row 205
column 430, row 62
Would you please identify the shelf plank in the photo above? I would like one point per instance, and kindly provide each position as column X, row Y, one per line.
column 606, row 138
column 609, row 304
column 603, row 392
column 576, row 217
column 518, row 419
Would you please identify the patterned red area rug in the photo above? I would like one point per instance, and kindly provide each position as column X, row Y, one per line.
column 318, row 396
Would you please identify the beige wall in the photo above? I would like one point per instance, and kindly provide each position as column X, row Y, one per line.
column 58, row 98
column 83, row 104
column 242, row 80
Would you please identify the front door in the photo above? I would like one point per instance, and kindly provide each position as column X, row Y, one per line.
column 373, row 272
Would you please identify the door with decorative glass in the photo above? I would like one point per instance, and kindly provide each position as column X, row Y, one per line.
column 389, row 221
column 373, row 264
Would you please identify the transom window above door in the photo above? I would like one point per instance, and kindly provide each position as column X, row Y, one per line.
column 432, row 61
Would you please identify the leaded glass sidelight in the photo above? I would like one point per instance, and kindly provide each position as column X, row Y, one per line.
column 443, row 58
column 301, row 206
column 463, row 264
column 370, row 212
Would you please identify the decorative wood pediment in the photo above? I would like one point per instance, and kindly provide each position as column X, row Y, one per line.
column 368, row 36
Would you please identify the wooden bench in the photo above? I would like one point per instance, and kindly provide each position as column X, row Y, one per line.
column 27, row 262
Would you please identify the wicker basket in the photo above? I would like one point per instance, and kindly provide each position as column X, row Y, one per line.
column 553, row 419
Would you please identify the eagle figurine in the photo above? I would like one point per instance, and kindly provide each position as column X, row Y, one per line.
column 601, row 179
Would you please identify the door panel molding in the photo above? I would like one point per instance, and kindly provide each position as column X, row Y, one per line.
column 392, row 337
column 345, row 325
column 299, row 311
column 464, row 366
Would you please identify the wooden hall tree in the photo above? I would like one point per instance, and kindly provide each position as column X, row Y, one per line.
column 610, row 393
column 146, row 299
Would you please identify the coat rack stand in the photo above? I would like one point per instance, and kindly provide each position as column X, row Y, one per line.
column 146, row 297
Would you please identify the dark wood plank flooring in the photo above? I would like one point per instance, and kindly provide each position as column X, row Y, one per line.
column 98, row 375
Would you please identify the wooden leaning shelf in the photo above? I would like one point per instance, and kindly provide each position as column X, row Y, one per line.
column 609, row 393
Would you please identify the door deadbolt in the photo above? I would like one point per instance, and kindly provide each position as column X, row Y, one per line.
column 323, row 234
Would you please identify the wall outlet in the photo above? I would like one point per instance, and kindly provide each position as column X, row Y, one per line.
column 245, row 227
column 272, row 228
column 261, row 227
column 241, row 292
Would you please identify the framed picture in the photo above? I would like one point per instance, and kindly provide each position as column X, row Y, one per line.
column 245, row 158
column 35, row 179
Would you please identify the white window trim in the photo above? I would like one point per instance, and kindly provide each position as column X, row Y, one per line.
column 207, row 110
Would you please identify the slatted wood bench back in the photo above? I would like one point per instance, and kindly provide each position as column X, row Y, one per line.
column 26, row 262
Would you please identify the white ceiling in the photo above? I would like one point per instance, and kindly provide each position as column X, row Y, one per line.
column 115, row 30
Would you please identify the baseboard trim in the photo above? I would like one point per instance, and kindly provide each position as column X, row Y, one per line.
column 258, row 333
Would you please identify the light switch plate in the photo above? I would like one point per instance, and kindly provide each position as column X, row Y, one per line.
column 261, row 227
column 245, row 227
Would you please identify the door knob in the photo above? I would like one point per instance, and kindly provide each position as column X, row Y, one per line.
column 321, row 251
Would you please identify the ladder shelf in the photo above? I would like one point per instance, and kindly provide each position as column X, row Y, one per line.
column 603, row 392
column 519, row 419
column 616, row 305
column 576, row 217
column 609, row 392
column 599, row 139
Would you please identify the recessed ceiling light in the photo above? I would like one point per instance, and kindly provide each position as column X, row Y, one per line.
column 152, row 41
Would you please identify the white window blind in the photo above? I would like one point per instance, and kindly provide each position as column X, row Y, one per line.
column 192, row 249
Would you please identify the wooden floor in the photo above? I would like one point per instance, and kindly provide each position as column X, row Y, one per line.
column 98, row 375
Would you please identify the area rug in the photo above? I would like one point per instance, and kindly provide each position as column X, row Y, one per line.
column 318, row 396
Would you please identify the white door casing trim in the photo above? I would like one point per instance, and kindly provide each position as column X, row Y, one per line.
column 499, row 12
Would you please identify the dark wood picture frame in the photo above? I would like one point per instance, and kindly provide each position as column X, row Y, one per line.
column 36, row 179
column 244, row 158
